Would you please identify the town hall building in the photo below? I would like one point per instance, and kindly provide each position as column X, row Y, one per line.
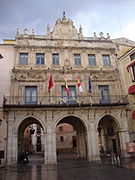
column 62, row 77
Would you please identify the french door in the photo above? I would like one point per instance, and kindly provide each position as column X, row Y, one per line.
column 104, row 94
column 30, row 95
column 72, row 95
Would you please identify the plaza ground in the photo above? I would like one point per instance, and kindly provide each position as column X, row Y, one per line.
column 68, row 168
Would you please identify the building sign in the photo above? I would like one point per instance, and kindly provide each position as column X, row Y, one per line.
column 130, row 147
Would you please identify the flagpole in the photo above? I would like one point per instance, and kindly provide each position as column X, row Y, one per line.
column 90, row 92
column 49, row 97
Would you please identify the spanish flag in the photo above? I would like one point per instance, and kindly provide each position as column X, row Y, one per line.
column 66, row 87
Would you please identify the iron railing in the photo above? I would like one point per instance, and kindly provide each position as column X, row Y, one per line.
column 67, row 100
column 113, row 159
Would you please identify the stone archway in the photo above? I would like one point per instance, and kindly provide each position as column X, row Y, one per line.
column 31, row 139
column 77, row 137
column 108, row 135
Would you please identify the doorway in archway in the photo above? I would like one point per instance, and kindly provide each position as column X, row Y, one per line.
column 71, row 140
column 108, row 133
column 30, row 141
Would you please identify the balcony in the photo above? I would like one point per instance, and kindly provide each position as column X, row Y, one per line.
column 58, row 101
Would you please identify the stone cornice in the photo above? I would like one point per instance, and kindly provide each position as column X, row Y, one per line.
column 66, row 47
column 85, row 39
column 17, row 70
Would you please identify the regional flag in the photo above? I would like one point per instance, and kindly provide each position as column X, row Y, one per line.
column 50, row 84
column 80, row 86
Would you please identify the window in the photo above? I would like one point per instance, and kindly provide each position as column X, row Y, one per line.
column 132, row 56
column 61, row 138
column 92, row 59
column 104, row 94
column 77, row 58
column 55, row 59
column 30, row 95
column 61, row 128
column 72, row 95
column 39, row 59
column 23, row 59
column 106, row 60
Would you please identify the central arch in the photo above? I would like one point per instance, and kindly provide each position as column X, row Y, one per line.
column 31, row 139
column 71, row 137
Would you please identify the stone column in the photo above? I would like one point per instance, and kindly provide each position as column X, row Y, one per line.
column 94, row 142
column 82, row 145
column 50, row 146
column 89, row 153
column 15, row 149
column 124, row 136
column 12, row 145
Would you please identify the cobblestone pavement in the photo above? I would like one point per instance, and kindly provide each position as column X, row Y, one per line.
column 68, row 168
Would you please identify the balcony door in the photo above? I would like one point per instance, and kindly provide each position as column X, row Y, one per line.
column 104, row 94
column 72, row 95
column 30, row 95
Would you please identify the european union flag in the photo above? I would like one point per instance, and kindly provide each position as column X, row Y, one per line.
column 89, row 85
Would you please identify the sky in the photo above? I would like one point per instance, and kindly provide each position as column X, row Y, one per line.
column 116, row 17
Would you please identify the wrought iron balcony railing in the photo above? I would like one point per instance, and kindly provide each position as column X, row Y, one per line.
column 66, row 100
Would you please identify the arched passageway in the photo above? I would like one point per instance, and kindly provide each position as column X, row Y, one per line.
column 31, row 141
column 71, row 137
column 108, row 135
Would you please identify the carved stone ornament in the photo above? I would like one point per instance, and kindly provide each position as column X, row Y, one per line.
column 34, row 75
column 67, row 64
column 64, row 29
column 29, row 75
column 104, row 76
column 108, row 36
column 48, row 29
column 33, row 32
column 95, row 36
column 24, row 42
column 80, row 29
column 101, row 34
column 26, row 32
column 64, row 16
column 17, row 32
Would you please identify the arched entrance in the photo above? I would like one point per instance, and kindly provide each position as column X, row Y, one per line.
column 108, row 134
column 31, row 141
column 71, row 137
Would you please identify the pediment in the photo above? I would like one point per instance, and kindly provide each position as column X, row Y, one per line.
column 64, row 29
